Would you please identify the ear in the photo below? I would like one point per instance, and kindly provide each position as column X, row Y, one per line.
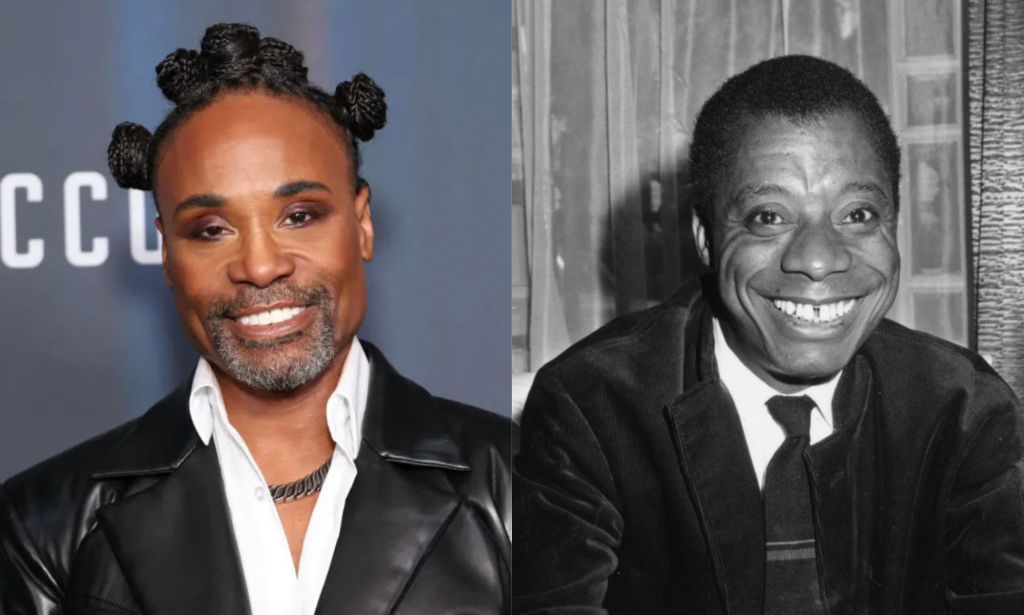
column 364, row 221
column 159, row 224
column 700, row 239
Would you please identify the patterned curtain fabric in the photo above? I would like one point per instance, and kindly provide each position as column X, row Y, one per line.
column 605, row 95
column 996, row 90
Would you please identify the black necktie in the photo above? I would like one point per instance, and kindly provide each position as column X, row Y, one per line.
column 791, row 569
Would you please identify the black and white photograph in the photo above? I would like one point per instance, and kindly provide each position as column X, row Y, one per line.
column 768, row 306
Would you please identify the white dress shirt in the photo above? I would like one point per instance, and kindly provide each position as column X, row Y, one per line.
column 274, row 586
column 750, row 394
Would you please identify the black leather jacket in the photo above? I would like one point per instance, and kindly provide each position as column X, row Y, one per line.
column 135, row 520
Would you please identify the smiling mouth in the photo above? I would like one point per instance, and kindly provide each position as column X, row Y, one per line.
column 824, row 313
column 271, row 317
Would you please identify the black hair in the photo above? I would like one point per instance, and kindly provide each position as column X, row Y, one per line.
column 798, row 88
column 234, row 58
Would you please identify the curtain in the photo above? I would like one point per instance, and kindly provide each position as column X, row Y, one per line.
column 996, row 90
column 605, row 95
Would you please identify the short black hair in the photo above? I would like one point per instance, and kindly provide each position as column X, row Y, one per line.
column 234, row 58
column 798, row 88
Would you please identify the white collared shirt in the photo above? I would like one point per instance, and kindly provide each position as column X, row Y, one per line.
column 750, row 394
column 273, row 585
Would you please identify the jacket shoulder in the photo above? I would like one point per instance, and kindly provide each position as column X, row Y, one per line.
column 487, row 442
column 919, row 370
column 474, row 428
column 926, row 360
column 53, row 503
column 46, row 510
column 629, row 342
column 66, row 476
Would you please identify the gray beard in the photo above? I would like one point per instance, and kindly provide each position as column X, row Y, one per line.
column 268, row 365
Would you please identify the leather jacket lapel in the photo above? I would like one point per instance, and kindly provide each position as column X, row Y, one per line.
column 391, row 519
column 159, row 443
column 400, row 501
column 174, row 542
column 172, row 537
column 401, row 424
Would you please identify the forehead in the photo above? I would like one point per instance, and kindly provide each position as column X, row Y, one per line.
column 250, row 142
column 816, row 155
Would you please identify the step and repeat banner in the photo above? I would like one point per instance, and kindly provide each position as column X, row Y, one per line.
column 89, row 336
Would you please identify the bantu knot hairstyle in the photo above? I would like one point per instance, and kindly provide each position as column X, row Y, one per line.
column 233, row 57
column 799, row 88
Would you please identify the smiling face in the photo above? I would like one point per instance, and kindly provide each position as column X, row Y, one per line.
column 264, row 239
column 804, row 247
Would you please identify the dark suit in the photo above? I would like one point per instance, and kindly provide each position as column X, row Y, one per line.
column 136, row 521
column 634, row 491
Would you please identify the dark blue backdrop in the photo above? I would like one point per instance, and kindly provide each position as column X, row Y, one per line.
column 83, row 348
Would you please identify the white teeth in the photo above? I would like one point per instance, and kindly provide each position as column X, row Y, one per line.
column 271, row 317
column 827, row 312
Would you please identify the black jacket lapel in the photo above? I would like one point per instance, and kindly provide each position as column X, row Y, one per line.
column 171, row 534
column 401, row 500
column 175, row 544
column 846, row 487
column 715, row 461
column 391, row 518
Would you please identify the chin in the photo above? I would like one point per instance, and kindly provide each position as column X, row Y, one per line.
column 810, row 369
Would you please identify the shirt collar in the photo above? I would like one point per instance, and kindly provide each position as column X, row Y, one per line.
column 737, row 377
column 345, row 407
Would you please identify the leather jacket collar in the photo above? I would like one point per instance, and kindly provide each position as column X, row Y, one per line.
column 164, row 438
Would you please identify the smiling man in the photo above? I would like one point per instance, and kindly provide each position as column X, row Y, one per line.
column 765, row 441
column 296, row 471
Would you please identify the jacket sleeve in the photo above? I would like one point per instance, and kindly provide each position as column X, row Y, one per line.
column 27, row 586
column 568, row 526
column 985, row 519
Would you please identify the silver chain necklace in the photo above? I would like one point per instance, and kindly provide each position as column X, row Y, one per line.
column 304, row 487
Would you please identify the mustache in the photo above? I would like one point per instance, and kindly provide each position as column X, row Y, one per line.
column 315, row 295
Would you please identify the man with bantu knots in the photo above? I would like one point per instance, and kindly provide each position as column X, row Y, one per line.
column 296, row 471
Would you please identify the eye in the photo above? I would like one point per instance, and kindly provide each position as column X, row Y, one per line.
column 764, row 218
column 861, row 215
column 298, row 218
column 210, row 232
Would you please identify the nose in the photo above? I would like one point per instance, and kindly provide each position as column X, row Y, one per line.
column 260, row 261
column 816, row 251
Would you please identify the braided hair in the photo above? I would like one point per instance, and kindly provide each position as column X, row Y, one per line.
column 234, row 58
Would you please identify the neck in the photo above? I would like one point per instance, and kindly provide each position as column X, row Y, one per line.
column 781, row 384
column 286, row 432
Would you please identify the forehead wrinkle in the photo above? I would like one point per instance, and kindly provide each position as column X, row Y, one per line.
column 809, row 173
column 757, row 191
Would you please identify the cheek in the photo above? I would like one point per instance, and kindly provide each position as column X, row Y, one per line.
column 195, row 284
column 743, row 259
column 881, row 256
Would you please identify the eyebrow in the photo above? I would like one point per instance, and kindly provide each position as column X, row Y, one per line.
column 200, row 200
column 297, row 187
column 761, row 190
column 758, row 190
column 282, row 191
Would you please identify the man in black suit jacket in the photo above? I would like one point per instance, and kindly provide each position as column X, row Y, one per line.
column 643, row 485
column 296, row 471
